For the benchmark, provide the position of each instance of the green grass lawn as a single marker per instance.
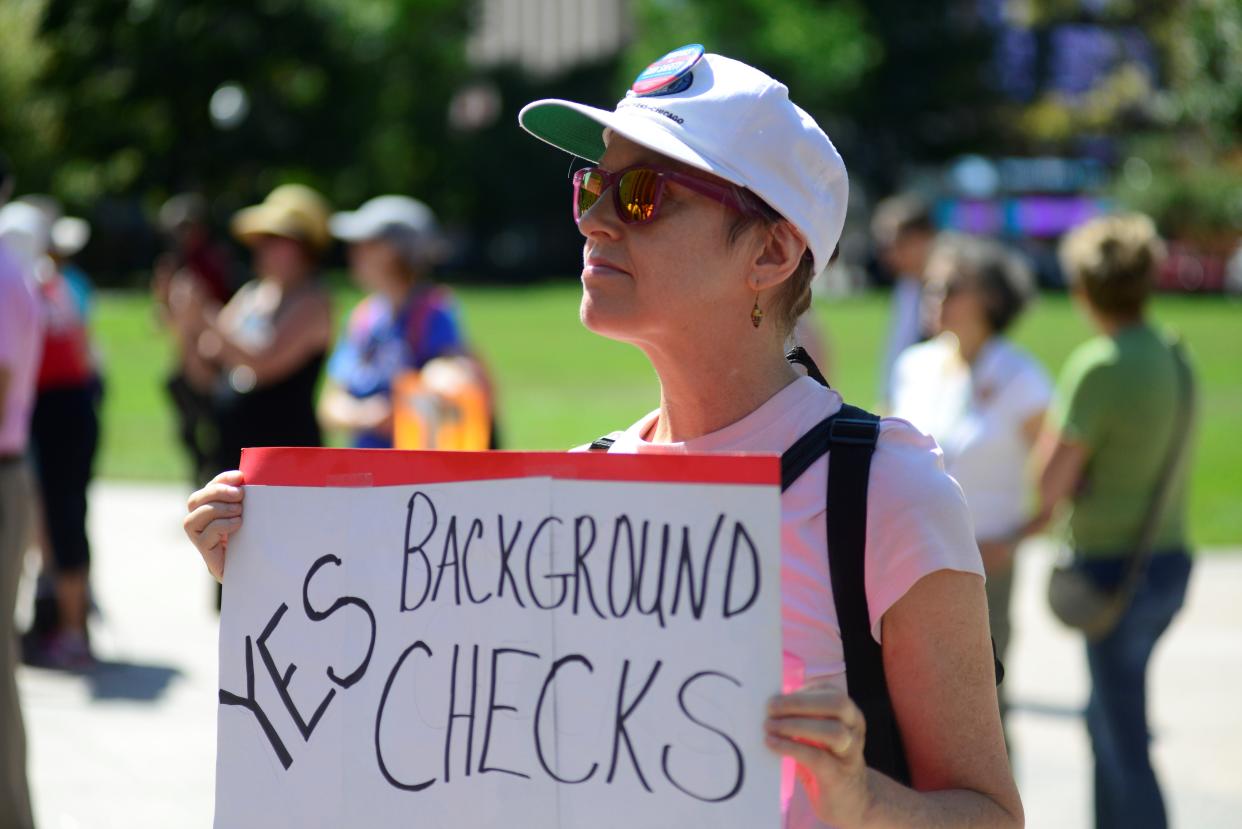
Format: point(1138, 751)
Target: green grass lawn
point(561, 386)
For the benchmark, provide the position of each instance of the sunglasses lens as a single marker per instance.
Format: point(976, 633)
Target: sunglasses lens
point(638, 192)
point(588, 187)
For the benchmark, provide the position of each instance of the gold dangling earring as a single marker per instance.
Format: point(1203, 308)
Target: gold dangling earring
point(756, 313)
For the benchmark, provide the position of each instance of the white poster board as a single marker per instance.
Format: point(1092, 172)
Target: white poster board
point(500, 639)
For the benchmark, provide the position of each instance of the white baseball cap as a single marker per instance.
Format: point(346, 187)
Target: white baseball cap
point(724, 117)
point(406, 223)
point(26, 231)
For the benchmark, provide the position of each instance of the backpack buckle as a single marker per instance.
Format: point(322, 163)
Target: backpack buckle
point(852, 431)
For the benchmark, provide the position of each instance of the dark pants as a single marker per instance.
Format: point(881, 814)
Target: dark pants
point(1126, 792)
point(64, 433)
point(195, 425)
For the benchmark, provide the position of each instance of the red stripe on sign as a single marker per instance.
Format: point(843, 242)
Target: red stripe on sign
point(280, 466)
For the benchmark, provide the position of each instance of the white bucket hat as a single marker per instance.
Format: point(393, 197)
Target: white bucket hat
point(722, 116)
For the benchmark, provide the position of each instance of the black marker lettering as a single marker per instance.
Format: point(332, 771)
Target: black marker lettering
point(468, 716)
point(623, 713)
point(685, 569)
point(657, 602)
point(450, 540)
point(629, 593)
point(506, 550)
point(493, 706)
point(581, 573)
point(318, 616)
point(476, 524)
point(530, 554)
point(740, 535)
point(281, 681)
point(737, 752)
point(251, 704)
point(379, 718)
point(543, 693)
point(412, 548)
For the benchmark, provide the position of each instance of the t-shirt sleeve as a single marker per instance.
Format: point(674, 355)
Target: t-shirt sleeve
point(917, 520)
point(11, 346)
point(18, 333)
point(345, 354)
point(440, 333)
point(905, 371)
point(1083, 402)
point(1031, 392)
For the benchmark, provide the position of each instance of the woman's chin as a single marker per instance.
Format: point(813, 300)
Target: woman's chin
point(606, 318)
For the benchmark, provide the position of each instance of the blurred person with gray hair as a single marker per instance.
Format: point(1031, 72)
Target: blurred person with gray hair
point(405, 321)
point(980, 396)
point(1115, 452)
point(904, 233)
point(21, 343)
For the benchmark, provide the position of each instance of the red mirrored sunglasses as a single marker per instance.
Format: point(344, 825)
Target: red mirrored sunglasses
point(637, 191)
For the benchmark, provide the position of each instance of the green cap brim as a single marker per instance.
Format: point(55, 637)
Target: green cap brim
point(566, 126)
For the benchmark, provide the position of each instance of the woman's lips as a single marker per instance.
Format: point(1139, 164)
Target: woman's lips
point(596, 266)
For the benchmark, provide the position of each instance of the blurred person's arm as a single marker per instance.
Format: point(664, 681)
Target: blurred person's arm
point(1033, 427)
point(997, 553)
point(303, 330)
point(161, 286)
point(1082, 412)
point(938, 660)
point(1059, 464)
point(338, 409)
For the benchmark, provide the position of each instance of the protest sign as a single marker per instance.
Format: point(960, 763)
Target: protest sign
point(440, 639)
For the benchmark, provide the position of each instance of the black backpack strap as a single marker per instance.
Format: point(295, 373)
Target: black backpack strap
point(852, 438)
point(849, 438)
point(601, 444)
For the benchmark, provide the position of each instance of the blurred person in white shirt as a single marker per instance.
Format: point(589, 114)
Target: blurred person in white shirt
point(904, 233)
point(982, 397)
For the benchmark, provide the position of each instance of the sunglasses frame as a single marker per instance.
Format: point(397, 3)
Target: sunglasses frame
point(725, 194)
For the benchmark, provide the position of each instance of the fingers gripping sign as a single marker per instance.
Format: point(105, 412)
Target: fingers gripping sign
point(213, 514)
point(823, 731)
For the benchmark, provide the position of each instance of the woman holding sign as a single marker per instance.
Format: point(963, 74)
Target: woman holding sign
point(713, 202)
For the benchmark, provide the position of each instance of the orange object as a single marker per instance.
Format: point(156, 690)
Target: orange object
point(444, 406)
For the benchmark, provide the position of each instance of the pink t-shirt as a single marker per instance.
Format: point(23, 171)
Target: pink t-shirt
point(21, 344)
point(917, 523)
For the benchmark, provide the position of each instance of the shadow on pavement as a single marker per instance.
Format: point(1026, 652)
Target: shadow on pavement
point(129, 681)
point(1046, 709)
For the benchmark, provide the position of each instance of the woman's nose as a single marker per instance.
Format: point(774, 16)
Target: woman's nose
point(601, 218)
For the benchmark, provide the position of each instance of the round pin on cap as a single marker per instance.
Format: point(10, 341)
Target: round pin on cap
point(661, 76)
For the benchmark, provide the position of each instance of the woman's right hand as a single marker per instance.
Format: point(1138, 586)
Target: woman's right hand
point(215, 513)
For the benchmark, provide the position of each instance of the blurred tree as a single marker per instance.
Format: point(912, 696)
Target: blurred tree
point(29, 122)
point(235, 95)
point(103, 101)
point(1189, 159)
point(1168, 104)
point(892, 82)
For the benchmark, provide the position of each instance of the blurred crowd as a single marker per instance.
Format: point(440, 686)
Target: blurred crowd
point(252, 343)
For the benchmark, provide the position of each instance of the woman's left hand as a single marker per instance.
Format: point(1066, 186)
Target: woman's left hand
point(822, 729)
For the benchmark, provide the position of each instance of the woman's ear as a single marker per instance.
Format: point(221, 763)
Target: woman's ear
point(781, 252)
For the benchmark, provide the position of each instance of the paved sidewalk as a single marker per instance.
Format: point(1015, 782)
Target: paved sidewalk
point(132, 744)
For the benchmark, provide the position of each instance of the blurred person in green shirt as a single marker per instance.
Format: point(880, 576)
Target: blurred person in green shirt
point(1105, 448)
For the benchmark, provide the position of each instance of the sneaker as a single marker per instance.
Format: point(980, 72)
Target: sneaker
point(68, 651)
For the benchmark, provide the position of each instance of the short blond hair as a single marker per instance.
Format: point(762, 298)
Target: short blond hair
point(1113, 260)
